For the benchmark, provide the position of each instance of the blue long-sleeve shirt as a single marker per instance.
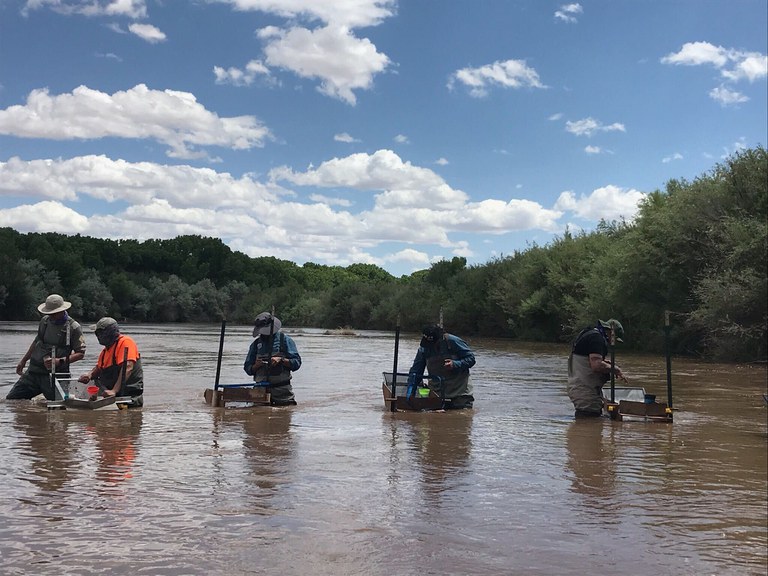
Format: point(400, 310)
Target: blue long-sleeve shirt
point(462, 357)
point(283, 345)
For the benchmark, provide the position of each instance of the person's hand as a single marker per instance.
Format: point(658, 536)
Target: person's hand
point(108, 393)
point(275, 361)
point(84, 378)
point(448, 363)
point(20, 367)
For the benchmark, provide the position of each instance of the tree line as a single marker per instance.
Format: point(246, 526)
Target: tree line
point(697, 249)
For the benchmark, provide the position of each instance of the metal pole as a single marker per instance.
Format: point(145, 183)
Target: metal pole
point(668, 354)
point(218, 361)
point(393, 405)
point(612, 345)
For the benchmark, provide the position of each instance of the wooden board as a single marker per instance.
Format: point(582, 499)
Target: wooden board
point(259, 395)
point(647, 411)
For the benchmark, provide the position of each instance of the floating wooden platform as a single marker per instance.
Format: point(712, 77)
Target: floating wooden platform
point(255, 395)
point(417, 403)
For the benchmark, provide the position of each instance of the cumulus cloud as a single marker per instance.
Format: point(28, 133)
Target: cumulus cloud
point(168, 116)
point(608, 202)
point(341, 62)
point(150, 200)
point(734, 66)
point(506, 74)
point(568, 12)
point(590, 126)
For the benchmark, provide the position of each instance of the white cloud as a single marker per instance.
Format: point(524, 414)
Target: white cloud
point(321, 199)
point(342, 62)
point(507, 74)
point(593, 149)
point(159, 201)
point(136, 183)
point(726, 96)
point(344, 137)
point(171, 117)
point(556, 116)
point(697, 53)
point(350, 13)
point(147, 32)
point(126, 8)
point(567, 12)
point(589, 126)
point(734, 66)
point(238, 77)
point(402, 139)
point(48, 216)
point(442, 162)
point(409, 256)
point(675, 156)
point(609, 202)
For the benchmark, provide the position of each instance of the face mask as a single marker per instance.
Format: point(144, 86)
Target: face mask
point(62, 320)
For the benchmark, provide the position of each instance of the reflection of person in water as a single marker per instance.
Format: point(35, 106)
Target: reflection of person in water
point(591, 460)
point(444, 442)
point(117, 442)
point(51, 454)
point(268, 444)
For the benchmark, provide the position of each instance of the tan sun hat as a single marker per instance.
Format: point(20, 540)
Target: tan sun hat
point(54, 303)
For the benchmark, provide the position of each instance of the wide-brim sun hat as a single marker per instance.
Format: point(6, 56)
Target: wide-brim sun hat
point(53, 304)
point(266, 324)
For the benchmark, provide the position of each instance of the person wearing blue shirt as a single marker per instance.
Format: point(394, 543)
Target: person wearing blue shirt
point(274, 364)
point(448, 357)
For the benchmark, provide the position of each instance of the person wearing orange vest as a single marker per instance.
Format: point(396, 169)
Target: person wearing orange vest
point(115, 373)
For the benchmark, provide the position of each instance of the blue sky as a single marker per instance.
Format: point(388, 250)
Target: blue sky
point(389, 132)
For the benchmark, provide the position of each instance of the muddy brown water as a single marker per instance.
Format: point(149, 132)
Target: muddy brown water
point(339, 486)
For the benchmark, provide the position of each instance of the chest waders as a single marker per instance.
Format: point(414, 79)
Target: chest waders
point(134, 385)
point(454, 382)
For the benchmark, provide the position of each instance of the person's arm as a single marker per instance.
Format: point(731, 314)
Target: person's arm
point(250, 359)
point(88, 376)
point(24, 359)
point(465, 358)
point(128, 368)
point(292, 359)
point(417, 368)
point(598, 364)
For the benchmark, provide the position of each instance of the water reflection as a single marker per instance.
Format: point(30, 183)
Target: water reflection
point(116, 436)
point(44, 438)
point(591, 460)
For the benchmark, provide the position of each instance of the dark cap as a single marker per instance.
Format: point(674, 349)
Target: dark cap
point(614, 325)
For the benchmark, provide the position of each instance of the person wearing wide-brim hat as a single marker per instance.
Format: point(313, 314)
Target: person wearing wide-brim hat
point(272, 357)
point(59, 340)
point(588, 369)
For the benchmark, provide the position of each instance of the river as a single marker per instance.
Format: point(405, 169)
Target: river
point(339, 486)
